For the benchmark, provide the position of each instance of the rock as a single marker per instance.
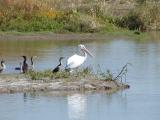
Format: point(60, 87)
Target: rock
point(89, 87)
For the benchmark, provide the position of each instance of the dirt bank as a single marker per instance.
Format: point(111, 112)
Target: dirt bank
point(21, 83)
point(51, 36)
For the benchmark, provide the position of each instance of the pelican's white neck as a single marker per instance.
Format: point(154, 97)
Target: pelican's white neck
point(85, 54)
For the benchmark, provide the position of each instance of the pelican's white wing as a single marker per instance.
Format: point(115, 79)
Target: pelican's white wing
point(74, 61)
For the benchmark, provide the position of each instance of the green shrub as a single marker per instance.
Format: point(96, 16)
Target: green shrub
point(132, 21)
point(140, 1)
point(78, 22)
point(35, 24)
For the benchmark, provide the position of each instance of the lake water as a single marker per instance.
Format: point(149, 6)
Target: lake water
point(140, 102)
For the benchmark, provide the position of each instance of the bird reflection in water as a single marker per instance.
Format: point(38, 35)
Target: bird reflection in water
point(77, 104)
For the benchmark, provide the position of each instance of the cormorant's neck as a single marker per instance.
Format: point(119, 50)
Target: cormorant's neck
point(60, 62)
point(31, 60)
point(24, 62)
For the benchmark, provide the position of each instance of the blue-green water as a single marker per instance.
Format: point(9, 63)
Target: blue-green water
point(140, 102)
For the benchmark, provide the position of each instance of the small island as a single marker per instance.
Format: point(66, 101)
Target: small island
point(81, 80)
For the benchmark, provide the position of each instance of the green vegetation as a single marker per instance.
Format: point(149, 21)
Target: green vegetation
point(132, 21)
point(40, 75)
point(107, 76)
point(79, 16)
point(47, 74)
point(79, 74)
point(110, 76)
point(145, 16)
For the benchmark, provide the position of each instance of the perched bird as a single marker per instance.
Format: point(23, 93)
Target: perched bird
point(32, 63)
point(77, 60)
point(57, 69)
point(24, 65)
point(3, 66)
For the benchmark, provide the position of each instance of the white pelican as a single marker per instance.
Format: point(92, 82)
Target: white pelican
point(3, 66)
point(77, 60)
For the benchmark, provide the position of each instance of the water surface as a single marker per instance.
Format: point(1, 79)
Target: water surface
point(141, 101)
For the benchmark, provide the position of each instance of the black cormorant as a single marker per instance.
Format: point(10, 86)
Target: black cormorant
point(57, 69)
point(3, 66)
point(24, 65)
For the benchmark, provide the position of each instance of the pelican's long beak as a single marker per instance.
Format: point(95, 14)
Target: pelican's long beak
point(87, 51)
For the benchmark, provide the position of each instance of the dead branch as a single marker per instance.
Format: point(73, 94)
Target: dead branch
point(122, 72)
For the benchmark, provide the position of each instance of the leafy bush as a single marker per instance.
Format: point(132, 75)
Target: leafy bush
point(140, 1)
point(79, 22)
point(35, 24)
point(132, 21)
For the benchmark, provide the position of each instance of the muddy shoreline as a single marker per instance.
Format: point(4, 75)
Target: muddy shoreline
point(52, 36)
point(60, 36)
point(20, 83)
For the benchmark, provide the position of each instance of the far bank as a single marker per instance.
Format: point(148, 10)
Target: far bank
point(70, 36)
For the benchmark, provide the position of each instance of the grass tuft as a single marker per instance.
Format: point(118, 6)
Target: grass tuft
point(34, 75)
point(78, 74)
